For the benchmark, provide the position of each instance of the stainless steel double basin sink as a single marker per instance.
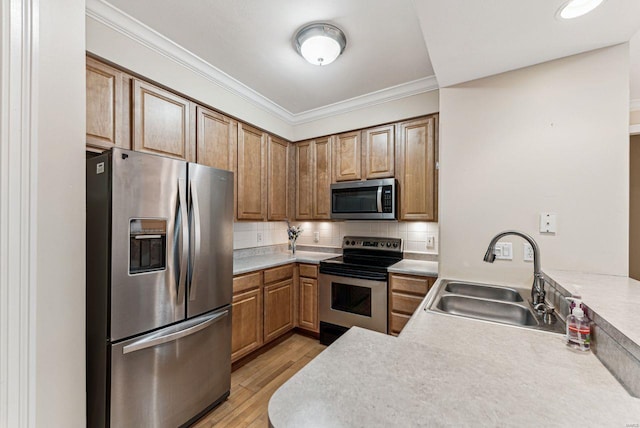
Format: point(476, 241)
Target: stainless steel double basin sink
point(505, 305)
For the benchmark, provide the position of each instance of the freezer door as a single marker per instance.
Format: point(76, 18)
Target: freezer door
point(149, 242)
point(166, 378)
point(211, 225)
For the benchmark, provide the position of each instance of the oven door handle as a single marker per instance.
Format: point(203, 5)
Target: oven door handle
point(369, 276)
point(379, 199)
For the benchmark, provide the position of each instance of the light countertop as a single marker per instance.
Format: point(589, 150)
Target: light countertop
point(265, 261)
point(447, 370)
point(415, 267)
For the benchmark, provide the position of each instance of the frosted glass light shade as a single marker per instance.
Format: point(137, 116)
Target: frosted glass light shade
point(320, 44)
point(576, 8)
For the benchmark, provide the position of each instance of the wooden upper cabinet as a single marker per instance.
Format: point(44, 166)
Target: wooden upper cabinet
point(346, 156)
point(278, 179)
point(378, 152)
point(322, 179)
point(161, 122)
point(107, 106)
point(304, 181)
point(416, 169)
point(216, 139)
point(313, 173)
point(251, 176)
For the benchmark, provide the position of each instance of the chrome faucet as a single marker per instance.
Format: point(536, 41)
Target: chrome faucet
point(537, 290)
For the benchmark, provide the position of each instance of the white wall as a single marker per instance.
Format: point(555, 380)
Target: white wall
point(551, 137)
point(409, 107)
point(60, 210)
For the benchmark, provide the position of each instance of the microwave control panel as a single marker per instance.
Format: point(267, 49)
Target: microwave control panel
point(387, 199)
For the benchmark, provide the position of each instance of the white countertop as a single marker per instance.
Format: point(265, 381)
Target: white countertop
point(415, 267)
point(614, 298)
point(265, 261)
point(447, 370)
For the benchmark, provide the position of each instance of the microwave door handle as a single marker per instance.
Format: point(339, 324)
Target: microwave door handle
point(193, 286)
point(379, 199)
point(150, 342)
point(184, 226)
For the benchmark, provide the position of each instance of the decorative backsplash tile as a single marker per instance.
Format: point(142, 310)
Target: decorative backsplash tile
point(414, 235)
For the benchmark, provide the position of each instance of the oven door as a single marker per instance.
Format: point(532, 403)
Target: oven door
point(348, 302)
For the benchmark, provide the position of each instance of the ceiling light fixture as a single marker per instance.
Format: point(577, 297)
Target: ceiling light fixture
point(576, 8)
point(320, 44)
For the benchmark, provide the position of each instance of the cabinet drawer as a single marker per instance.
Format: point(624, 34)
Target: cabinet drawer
point(411, 284)
point(247, 282)
point(404, 303)
point(309, 271)
point(397, 322)
point(278, 274)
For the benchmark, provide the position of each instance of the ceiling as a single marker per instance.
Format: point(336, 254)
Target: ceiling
point(247, 45)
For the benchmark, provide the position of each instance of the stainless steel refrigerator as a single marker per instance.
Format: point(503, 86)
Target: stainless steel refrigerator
point(159, 285)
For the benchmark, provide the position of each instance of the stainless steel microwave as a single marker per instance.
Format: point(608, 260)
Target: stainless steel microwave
point(365, 200)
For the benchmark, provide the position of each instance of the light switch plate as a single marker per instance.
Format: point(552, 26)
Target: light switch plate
point(503, 251)
point(316, 236)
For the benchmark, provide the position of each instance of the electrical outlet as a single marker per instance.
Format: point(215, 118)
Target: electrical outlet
point(431, 241)
point(316, 236)
point(259, 237)
point(528, 252)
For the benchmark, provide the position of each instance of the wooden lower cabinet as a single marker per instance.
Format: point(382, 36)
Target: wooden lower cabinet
point(278, 309)
point(246, 323)
point(406, 292)
point(308, 295)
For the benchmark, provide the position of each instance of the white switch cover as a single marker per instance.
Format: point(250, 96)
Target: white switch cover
point(548, 223)
point(528, 252)
point(503, 251)
point(316, 236)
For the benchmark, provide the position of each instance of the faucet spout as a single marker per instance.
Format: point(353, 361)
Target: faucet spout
point(537, 289)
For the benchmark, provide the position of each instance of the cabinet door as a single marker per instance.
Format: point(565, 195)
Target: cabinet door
point(322, 179)
point(378, 152)
point(418, 177)
point(246, 323)
point(252, 183)
point(278, 309)
point(277, 179)
point(346, 155)
point(308, 314)
point(304, 180)
point(216, 139)
point(161, 122)
point(107, 109)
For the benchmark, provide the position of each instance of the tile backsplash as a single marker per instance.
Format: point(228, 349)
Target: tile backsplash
point(414, 235)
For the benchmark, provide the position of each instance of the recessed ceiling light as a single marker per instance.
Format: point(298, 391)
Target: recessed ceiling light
point(320, 44)
point(576, 8)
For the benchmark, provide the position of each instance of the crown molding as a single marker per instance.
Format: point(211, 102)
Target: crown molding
point(116, 19)
point(634, 105)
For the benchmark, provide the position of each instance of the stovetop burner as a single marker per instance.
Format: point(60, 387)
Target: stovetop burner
point(364, 254)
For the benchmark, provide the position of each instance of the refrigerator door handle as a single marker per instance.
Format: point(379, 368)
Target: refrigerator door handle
point(196, 257)
point(185, 239)
point(150, 342)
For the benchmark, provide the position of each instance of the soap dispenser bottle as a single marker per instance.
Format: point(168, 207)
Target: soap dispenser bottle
point(578, 327)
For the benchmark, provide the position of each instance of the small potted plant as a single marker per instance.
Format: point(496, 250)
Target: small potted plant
point(293, 232)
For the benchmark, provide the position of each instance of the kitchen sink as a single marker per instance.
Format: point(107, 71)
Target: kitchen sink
point(488, 302)
point(489, 310)
point(484, 291)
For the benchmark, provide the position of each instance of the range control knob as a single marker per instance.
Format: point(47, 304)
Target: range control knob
point(346, 242)
point(353, 242)
point(395, 245)
point(388, 244)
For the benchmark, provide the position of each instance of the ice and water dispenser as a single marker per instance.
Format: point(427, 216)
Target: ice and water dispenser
point(147, 245)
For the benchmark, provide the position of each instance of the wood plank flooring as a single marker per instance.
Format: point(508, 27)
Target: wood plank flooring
point(253, 384)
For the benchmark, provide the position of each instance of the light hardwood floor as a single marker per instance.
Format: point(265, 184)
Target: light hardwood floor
point(253, 384)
